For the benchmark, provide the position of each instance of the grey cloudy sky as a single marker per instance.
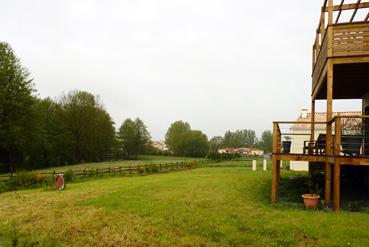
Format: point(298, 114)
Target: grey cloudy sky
point(218, 64)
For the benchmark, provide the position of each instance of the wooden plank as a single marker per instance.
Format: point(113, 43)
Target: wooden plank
point(354, 161)
point(336, 186)
point(300, 157)
point(329, 130)
point(354, 58)
point(340, 11)
point(352, 54)
point(355, 11)
point(348, 6)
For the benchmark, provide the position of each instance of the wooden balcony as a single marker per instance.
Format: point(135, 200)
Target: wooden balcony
point(343, 141)
point(346, 44)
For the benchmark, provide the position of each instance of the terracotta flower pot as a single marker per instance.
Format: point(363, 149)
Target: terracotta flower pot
point(311, 200)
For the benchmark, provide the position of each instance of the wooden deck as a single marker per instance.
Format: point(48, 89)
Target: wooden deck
point(340, 70)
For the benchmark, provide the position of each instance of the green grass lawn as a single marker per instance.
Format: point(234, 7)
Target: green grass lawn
point(214, 206)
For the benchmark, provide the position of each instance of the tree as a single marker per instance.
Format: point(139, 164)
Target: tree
point(266, 141)
point(16, 102)
point(195, 144)
point(183, 141)
point(173, 137)
point(133, 136)
point(83, 116)
point(215, 143)
point(240, 138)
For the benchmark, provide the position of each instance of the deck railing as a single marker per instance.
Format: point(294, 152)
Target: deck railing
point(342, 136)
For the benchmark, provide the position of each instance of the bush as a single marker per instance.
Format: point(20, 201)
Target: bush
point(38, 177)
point(154, 168)
point(192, 163)
point(222, 156)
point(23, 179)
point(140, 169)
point(69, 175)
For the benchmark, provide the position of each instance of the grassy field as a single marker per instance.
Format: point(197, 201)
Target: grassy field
point(143, 159)
point(214, 206)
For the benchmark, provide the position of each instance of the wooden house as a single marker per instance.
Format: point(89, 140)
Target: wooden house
point(340, 70)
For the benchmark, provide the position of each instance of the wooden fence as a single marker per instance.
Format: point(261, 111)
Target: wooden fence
point(140, 169)
point(122, 170)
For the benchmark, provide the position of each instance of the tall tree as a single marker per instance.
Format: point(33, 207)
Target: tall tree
point(16, 101)
point(183, 141)
point(91, 126)
point(174, 135)
point(266, 141)
point(215, 143)
point(195, 144)
point(133, 135)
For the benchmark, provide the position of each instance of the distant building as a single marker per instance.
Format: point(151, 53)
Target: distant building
point(160, 145)
point(242, 151)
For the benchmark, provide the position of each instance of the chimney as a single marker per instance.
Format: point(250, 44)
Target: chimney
point(304, 113)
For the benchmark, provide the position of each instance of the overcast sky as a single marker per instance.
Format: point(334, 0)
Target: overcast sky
point(218, 64)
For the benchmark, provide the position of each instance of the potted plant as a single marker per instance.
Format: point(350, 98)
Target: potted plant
point(312, 200)
point(286, 144)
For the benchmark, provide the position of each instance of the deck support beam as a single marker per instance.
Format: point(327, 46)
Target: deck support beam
point(336, 186)
point(312, 127)
point(328, 166)
point(337, 165)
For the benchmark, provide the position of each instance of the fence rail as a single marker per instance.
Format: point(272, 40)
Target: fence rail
point(122, 170)
point(136, 169)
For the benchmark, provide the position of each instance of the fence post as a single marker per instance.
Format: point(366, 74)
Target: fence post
point(97, 171)
point(254, 165)
point(129, 168)
point(265, 165)
point(281, 164)
point(159, 166)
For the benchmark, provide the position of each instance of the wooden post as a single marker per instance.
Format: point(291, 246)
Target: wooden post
point(264, 165)
point(328, 167)
point(337, 167)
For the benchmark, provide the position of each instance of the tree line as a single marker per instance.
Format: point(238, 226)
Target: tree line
point(242, 138)
point(76, 128)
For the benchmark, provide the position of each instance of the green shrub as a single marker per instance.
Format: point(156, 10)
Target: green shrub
point(222, 156)
point(140, 169)
point(69, 175)
point(154, 168)
point(23, 179)
point(192, 163)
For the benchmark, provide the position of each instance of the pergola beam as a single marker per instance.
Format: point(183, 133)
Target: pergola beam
point(355, 11)
point(339, 13)
point(349, 6)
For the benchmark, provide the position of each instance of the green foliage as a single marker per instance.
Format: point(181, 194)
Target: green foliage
point(173, 137)
point(315, 182)
point(222, 156)
point(183, 141)
point(133, 135)
point(69, 175)
point(16, 112)
point(240, 138)
point(154, 168)
point(266, 141)
point(215, 143)
point(192, 164)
